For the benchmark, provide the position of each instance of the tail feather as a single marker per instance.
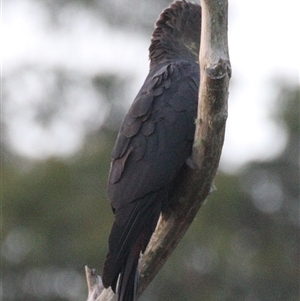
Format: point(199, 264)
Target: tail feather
point(120, 243)
point(129, 276)
point(130, 234)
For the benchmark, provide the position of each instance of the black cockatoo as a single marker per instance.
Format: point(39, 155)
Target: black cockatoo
point(153, 144)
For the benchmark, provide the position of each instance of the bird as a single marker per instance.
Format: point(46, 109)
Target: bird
point(153, 144)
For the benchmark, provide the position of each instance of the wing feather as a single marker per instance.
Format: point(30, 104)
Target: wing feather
point(156, 136)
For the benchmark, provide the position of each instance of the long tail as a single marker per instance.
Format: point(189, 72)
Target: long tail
point(129, 276)
point(130, 234)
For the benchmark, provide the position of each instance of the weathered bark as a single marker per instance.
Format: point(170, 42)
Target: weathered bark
point(96, 288)
point(209, 137)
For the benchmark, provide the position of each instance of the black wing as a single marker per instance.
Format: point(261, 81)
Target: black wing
point(156, 135)
point(153, 144)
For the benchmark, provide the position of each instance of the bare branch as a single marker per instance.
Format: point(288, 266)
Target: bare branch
point(96, 288)
point(209, 138)
point(196, 184)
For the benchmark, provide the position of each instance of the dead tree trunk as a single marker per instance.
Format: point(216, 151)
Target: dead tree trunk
point(209, 137)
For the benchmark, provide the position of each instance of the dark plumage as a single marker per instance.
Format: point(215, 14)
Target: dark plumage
point(153, 144)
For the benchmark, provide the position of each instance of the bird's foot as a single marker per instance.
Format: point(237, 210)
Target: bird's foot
point(190, 163)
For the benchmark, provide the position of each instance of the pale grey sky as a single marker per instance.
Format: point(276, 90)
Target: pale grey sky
point(264, 45)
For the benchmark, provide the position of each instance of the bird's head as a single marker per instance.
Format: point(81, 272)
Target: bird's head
point(177, 33)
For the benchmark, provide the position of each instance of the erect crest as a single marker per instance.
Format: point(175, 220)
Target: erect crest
point(177, 33)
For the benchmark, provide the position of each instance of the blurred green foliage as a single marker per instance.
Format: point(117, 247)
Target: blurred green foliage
point(243, 245)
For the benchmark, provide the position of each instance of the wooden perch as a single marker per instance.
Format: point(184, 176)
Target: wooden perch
point(209, 137)
point(96, 288)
